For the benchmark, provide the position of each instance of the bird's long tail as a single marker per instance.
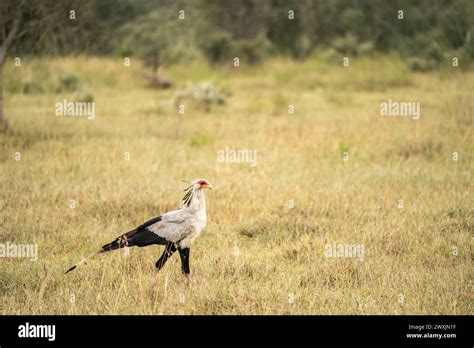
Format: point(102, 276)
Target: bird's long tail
point(83, 260)
point(125, 240)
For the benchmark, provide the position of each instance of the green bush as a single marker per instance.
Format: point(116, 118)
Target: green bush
point(303, 47)
point(365, 48)
point(350, 45)
point(347, 44)
point(203, 95)
point(218, 47)
point(328, 54)
point(67, 82)
point(255, 50)
point(31, 86)
point(421, 64)
point(435, 53)
point(84, 96)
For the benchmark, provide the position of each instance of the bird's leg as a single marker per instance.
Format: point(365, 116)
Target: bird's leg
point(169, 250)
point(184, 254)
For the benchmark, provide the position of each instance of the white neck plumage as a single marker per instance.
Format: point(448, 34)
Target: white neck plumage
point(194, 199)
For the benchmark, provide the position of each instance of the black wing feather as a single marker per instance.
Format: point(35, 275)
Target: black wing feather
point(149, 222)
point(140, 237)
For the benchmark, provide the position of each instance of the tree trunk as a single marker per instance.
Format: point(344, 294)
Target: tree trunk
point(159, 82)
point(3, 54)
point(3, 121)
point(156, 73)
point(2, 60)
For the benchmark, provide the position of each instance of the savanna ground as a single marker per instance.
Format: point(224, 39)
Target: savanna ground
point(257, 255)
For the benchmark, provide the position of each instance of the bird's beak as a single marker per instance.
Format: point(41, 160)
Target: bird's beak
point(210, 187)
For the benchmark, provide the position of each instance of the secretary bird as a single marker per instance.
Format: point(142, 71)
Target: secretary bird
point(176, 229)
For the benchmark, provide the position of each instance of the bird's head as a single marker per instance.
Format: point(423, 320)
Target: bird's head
point(195, 186)
point(201, 183)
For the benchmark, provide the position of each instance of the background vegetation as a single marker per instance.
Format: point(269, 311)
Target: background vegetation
point(258, 255)
point(216, 29)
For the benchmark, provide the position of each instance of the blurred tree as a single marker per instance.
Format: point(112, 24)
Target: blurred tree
point(159, 38)
point(221, 29)
point(10, 30)
point(28, 26)
point(242, 18)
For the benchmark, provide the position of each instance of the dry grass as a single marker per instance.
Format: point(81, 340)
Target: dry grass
point(408, 252)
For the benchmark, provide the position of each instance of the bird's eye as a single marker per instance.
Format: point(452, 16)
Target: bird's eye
point(202, 183)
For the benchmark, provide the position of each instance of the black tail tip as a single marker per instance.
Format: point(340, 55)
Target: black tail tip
point(70, 269)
